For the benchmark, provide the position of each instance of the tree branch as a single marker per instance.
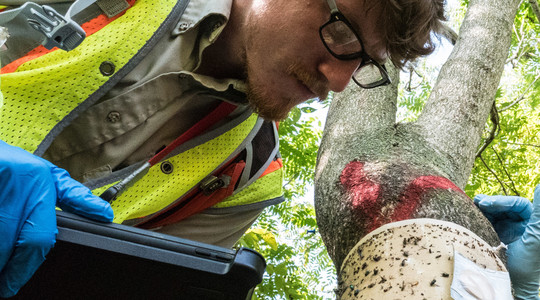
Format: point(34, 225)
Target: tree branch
point(350, 116)
point(412, 69)
point(454, 116)
point(364, 115)
point(496, 177)
point(513, 187)
point(520, 144)
point(522, 97)
point(519, 51)
point(449, 34)
point(494, 130)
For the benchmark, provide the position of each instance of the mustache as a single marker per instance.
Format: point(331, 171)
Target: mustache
point(316, 82)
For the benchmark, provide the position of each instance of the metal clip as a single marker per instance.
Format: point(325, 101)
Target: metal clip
point(58, 30)
point(211, 184)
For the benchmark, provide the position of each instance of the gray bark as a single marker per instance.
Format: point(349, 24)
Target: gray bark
point(361, 133)
point(460, 102)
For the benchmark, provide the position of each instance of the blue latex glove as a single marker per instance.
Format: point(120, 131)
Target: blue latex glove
point(517, 223)
point(30, 188)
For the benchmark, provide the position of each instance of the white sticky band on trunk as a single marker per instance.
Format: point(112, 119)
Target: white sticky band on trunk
point(411, 259)
point(473, 282)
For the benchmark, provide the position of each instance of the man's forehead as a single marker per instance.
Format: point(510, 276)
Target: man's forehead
point(357, 9)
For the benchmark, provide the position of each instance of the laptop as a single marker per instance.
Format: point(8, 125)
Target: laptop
point(92, 260)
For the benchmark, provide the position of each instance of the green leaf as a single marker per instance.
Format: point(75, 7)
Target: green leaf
point(266, 235)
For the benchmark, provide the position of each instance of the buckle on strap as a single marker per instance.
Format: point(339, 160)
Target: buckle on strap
point(59, 31)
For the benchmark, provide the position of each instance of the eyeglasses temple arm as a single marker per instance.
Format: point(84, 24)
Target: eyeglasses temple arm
point(333, 6)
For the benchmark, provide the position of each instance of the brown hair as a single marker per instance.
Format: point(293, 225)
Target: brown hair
point(407, 27)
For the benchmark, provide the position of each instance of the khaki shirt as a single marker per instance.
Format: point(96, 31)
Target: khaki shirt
point(157, 101)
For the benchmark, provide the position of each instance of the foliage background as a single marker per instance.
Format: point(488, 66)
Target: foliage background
point(287, 236)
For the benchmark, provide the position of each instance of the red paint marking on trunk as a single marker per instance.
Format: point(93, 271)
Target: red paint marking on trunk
point(365, 194)
point(363, 191)
point(410, 199)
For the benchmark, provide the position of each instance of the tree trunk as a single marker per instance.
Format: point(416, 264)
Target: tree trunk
point(372, 171)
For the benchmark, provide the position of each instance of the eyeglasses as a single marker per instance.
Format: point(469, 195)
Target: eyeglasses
point(342, 41)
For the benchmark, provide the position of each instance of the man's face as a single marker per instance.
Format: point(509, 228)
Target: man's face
point(286, 62)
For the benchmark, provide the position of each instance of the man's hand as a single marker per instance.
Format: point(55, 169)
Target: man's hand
point(30, 188)
point(517, 223)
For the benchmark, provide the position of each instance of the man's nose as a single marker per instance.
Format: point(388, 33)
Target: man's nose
point(338, 72)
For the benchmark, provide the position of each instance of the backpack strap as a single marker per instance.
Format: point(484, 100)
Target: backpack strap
point(234, 176)
point(217, 115)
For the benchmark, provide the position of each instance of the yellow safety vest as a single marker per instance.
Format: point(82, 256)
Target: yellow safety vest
point(40, 100)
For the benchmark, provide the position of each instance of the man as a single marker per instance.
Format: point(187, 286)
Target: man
point(117, 107)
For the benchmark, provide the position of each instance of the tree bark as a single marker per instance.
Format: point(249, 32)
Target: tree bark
point(372, 171)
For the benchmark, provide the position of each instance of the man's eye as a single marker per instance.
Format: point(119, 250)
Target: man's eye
point(339, 33)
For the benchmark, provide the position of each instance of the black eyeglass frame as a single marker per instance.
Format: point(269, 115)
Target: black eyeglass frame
point(337, 16)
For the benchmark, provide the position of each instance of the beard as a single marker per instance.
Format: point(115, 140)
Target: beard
point(267, 105)
point(273, 107)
